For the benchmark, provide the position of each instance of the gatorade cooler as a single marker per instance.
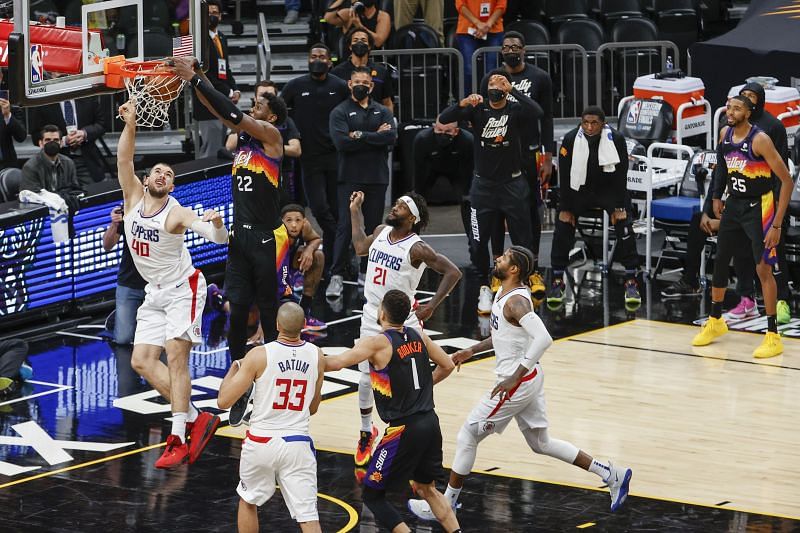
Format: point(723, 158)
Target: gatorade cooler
point(782, 103)
point(677, 91)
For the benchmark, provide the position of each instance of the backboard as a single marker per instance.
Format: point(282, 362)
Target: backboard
point(55, 48)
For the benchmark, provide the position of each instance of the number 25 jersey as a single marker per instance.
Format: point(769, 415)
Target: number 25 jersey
point(255, 184)
point(748, 175)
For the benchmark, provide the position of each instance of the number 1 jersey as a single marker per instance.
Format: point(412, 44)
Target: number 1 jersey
point(389, 267)
point(284, 391)
point(255, 185)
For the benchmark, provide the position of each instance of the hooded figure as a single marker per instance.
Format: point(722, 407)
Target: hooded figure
point(773, 127)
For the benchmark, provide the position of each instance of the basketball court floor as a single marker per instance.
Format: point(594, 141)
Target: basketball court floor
point(711, 434)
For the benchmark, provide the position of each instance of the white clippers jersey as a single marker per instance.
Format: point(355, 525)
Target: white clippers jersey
point(160, 257)
point(389, 267)
point(510, 342)
point(284, 391)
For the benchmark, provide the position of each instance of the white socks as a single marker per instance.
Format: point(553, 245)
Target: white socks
point(366, 422)
point(452, 495)
point(179, 425)
point(193, 413)
point(601, 469)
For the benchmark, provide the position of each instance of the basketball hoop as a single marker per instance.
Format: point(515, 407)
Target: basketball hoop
point(153, 85)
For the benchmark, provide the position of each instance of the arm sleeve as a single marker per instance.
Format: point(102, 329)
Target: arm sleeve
point(540, 339)
point(456, 113)
point(621, 172)
point(210, 232)
point(529, 106)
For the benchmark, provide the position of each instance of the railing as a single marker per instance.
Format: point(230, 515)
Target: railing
point(428, 80)
point(567, 64)
point(264, 55)
point(638, 58)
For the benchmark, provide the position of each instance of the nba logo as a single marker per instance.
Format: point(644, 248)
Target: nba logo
point(633, 112)
point(37, 63)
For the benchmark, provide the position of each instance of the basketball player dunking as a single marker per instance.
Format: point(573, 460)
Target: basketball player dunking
point(258, 240)
point(519, 339)
point(397, 257)
point(171, 315)
point(288, 375)
point(411, 448)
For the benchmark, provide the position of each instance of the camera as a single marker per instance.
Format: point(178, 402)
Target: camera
point(359, 8)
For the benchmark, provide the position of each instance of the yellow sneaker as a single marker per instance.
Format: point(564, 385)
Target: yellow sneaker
point(770, 347)
point(537, 284)
point(495, 285)
point(711, 330)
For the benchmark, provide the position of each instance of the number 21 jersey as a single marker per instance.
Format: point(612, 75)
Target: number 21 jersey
point(255, 184)
point(389, 267)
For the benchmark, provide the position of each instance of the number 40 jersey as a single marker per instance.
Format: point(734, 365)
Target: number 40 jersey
point(389, 267)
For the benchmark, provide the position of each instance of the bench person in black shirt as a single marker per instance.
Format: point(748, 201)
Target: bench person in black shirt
point(257, 234)
point(130, 285)
point(537, 137)
point(363, 132)
point(311, 98)
point(360, 43)
point(499, 188)
point(402, 380)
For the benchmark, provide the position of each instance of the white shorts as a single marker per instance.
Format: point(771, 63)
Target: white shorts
point(370, 328)
point(526, 405)
point(292, 464)
point(172, 312)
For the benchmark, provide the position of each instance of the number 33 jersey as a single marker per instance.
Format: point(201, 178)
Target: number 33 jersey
point(160, 257)
point(389, 267)
point(255, 184)
point(284, 391)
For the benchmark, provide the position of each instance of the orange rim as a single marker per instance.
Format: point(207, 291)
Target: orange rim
point(145, 68)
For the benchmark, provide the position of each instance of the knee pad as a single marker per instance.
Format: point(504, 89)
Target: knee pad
point(466, 449)
point(537, 439)
point(365, 399)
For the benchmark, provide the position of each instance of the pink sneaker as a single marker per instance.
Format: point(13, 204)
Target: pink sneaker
point(746, 309)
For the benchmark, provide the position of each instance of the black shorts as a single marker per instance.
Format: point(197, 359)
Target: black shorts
point(747, 219)
point(411, 449)
point(251, 270)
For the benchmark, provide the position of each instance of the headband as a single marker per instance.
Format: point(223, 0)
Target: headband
point(412, 205)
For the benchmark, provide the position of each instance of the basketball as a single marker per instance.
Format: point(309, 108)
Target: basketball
point(164, 88)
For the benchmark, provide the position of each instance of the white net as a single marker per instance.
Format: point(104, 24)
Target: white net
point(153, 95)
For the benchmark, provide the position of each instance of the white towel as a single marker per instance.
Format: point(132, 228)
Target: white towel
point(607, 156)
point(59, 222)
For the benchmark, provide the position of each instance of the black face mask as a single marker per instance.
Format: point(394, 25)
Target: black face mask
point(52, 148)
point(360, 49)
point(443, 140)
point(512, 60)
point(496, 95)
point(360, 92)
point(213, 21)
point(318, 67)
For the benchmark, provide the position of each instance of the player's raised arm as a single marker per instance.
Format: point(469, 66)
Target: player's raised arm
point(132, 190)
point(222, 106)
point(361, 241)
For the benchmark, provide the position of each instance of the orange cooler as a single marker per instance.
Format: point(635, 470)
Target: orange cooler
point(781, 100)
point(676, 91)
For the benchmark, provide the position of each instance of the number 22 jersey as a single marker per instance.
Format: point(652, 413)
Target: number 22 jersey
point(255, 184)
